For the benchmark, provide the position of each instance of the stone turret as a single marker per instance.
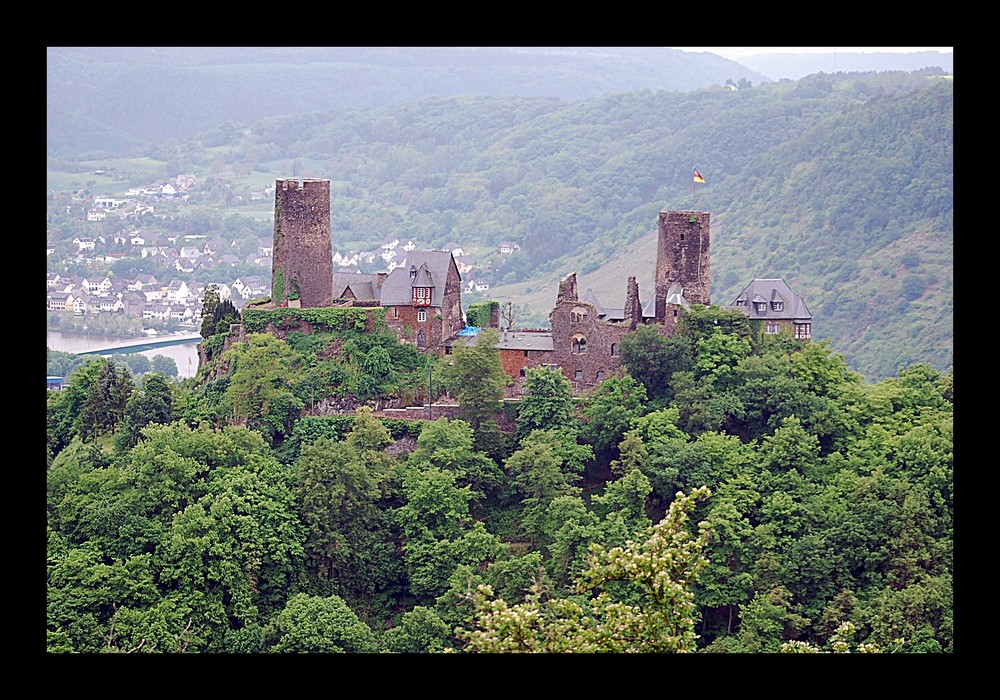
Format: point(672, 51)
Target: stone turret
point(633, 308)
point(567, 288)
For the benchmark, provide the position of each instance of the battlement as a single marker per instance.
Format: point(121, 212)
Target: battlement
point(303, 183)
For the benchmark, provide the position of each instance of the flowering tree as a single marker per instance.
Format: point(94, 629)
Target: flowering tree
point(661, 567)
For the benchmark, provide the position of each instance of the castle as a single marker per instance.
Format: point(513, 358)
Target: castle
point(423, 299)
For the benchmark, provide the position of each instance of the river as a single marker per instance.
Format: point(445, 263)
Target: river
point(185, 355)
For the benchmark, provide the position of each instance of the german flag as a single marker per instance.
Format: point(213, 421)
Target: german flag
point(698, 177)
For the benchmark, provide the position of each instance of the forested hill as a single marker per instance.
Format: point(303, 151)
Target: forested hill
point(840, 185)
point(117, 100)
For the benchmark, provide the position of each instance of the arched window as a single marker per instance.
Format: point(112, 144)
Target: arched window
point(579, 313)
point(422, 340)
point(579, 344)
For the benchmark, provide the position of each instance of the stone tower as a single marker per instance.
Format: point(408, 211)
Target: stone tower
point(302, 262)
point(682, 254)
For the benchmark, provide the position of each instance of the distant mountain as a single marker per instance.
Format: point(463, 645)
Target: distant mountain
point(777, 66)
point(112, 100)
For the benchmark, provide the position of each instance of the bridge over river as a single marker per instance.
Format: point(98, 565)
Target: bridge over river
point(131, 345)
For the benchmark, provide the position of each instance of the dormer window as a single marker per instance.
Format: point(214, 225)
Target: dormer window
point(760, 306)
point(777, 305)
point(422, 296)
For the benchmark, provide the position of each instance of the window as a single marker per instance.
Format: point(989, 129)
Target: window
point(777, 305)
point(682, 236)
point(421, 316)
point(803, 331)
point(579, 374)
point(614, 349)
point(422, 296)
point(447, 350)
point(772, 328)
point(525, 353)
point(422, 340)
point(579, 313)
point(395, 312)
point(600, 375)
point(523, 373)
point(760, 306)
point(579, 345)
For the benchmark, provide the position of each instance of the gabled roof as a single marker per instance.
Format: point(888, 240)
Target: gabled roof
point(363, 287)
point(431, 268)
point(769, 291)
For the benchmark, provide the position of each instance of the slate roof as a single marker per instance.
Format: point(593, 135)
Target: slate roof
point(518, 340)
point(431, 270)
point(771, 290)
point(364, 287)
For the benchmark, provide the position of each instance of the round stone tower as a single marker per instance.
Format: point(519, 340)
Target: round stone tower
point(302, 262)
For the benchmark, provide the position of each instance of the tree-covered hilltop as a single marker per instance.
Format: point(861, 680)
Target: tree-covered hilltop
point(839, 184)
point(728, 491)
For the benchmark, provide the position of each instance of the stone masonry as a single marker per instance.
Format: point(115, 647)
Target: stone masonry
point(682, 257)
point(302, 263)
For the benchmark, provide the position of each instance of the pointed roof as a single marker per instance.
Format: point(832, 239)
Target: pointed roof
point(431, 268)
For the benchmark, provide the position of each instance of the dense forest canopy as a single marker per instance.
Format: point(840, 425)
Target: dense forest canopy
point(727, 492)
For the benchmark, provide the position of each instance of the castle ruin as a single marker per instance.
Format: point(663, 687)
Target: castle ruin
point(302, 264)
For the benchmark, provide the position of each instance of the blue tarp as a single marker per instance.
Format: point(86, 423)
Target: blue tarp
point(469, 330)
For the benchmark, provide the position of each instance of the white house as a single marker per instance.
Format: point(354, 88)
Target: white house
point(83, 244)
point(249, 287)
point(157, 312)
point(178, 291)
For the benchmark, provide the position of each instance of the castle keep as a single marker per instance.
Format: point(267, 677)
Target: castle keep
point(682, 257)
point(302, 266)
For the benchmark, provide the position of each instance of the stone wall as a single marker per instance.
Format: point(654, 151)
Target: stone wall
point(586, 348)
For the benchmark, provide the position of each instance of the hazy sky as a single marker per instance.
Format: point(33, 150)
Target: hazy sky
point(736, 52)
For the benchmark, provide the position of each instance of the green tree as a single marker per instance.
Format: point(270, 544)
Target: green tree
point(340, 495)
point(610, 412)
point(476, 378)
point(260, 392)
point(450, 444)
point(318, 625)
point(547, 402)
point(106, 400)
point(652, 358)
point(662, 566)
point(152, 402)
point(209, 303)
point(421, 631)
